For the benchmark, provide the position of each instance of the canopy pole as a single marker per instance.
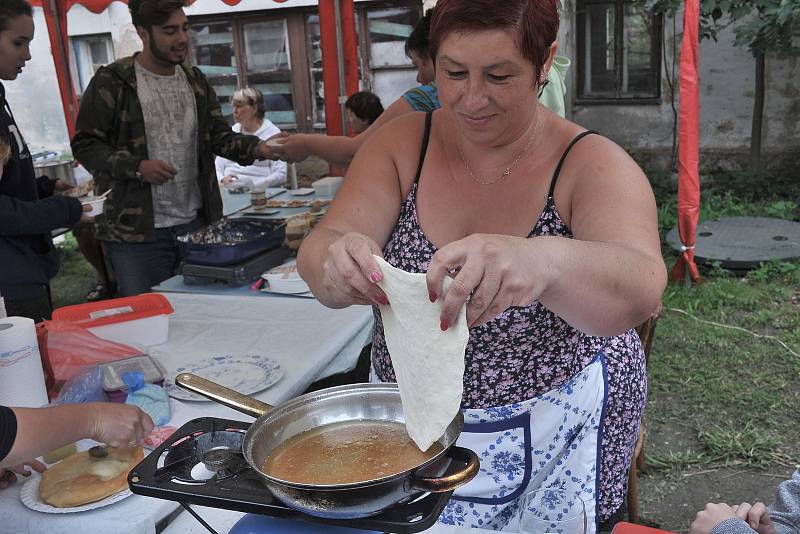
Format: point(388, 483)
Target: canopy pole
point(56, 20)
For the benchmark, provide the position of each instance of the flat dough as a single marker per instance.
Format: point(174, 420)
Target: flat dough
point(80, 479)
point(428, 363)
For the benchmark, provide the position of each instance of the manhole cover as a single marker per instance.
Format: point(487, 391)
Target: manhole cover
point(743, 242)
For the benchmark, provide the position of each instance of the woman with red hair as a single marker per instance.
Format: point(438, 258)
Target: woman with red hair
point(550, 234)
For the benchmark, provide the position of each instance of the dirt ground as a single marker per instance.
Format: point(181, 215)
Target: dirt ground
point(671, 500)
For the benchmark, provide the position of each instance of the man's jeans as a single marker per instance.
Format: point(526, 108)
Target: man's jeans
point(140, 266)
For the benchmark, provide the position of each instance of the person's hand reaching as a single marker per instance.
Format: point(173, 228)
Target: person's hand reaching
point(8, 475)
point(713, 514)
point(84, 217)
point(156, 172)
point(118, 425)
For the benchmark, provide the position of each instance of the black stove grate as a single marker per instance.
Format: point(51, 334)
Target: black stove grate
point(244, 490)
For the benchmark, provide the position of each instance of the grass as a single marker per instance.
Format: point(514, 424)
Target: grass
point(75, 277)
point(735, 392)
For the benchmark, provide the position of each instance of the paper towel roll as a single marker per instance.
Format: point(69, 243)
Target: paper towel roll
point(21, 374)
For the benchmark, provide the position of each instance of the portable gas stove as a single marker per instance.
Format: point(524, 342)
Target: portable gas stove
point(202, 463)
point(235, 275)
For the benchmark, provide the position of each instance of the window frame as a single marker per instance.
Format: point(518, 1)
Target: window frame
point(75, 59)
point(619, 28)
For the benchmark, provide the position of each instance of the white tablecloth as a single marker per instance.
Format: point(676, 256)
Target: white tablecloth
point(304, 336)
point(132, 515)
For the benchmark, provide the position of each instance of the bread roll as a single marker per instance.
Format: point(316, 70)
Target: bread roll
point(81, 479)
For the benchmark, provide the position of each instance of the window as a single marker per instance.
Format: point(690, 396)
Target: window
point(89, 53)
point(212, 45)
point(278, 51)
point(619, 51)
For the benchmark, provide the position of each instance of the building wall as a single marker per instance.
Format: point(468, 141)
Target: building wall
point(727, 87)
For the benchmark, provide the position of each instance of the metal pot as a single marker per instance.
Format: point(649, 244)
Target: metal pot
point(355, 402)
point(58, 169)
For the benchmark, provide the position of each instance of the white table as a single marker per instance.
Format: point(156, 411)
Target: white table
point(132, 515)
point(309, 340)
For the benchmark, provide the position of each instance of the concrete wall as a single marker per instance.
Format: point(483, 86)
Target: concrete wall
point(726, 104)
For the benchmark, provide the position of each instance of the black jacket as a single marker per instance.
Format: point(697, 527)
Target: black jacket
point(28, 213)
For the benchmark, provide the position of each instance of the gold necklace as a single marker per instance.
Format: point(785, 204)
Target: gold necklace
point(510, 167)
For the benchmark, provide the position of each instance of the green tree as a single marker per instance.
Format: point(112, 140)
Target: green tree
point(765, 27)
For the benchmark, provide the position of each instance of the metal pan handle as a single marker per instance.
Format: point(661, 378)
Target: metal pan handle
point(221, 394)
point(450, 482)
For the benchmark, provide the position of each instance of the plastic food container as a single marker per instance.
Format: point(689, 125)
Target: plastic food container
point(139, 320)
point(285, 279)
point(115, 387)
point(97, 204)
point(327, 187)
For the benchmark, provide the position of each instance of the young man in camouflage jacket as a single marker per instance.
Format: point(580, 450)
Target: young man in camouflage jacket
point(148, 129)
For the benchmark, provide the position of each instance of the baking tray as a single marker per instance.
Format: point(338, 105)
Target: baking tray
point(237, 241)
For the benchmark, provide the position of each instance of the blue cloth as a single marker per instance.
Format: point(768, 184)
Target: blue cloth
point(261, 524)
point(423, 98)
point(152, 399)
point(140, 266)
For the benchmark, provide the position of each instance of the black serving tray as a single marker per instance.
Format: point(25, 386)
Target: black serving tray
point(246, 492)
point(265, 235)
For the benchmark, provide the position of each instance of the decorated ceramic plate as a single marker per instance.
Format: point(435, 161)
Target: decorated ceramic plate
point(29, 495)
point(246, 374)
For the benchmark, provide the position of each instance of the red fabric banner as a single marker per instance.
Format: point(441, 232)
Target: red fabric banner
point(688, 147)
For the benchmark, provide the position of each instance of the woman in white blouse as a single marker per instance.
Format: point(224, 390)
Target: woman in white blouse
point(248, 112)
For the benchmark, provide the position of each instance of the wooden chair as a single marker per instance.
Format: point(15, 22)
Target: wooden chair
point(646, 331)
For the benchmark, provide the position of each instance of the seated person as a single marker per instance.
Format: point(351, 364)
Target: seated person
point(362, 110)
point(248, 112)
point(30, 432)
point(782, 516)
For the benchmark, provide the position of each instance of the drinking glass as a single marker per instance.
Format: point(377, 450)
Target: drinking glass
point(552, 511)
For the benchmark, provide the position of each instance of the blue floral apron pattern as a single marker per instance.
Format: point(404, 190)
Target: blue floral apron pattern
point(552, 440)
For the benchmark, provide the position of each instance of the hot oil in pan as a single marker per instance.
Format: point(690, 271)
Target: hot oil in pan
point(348, 452)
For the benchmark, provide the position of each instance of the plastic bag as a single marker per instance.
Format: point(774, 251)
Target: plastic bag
point(85, 386)
point(67, 348)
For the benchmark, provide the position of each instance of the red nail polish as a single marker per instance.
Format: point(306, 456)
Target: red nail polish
point(382, 299)
point(375, 276)
point(432, 296)
point(444, 324)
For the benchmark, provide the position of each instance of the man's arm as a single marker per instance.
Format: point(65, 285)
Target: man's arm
point(95, 125)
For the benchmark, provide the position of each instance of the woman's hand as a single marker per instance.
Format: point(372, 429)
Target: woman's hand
point(86, 218)
point(494, 272)
point(119, 425)
point(8, 475)
point(292, 148)
point(351, 273)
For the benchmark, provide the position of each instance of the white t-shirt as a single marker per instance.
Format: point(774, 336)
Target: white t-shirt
point(264, 173)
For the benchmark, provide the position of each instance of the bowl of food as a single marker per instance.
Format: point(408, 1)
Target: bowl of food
point(96, 203)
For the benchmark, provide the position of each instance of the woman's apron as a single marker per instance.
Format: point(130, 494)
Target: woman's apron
point(552, 440)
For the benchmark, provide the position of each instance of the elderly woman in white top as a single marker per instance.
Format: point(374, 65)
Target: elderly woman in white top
point(248, 112)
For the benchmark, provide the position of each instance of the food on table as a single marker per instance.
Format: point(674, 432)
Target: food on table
point(223, 232)
point(81, 479)
point(297, 203)
point(346, 453)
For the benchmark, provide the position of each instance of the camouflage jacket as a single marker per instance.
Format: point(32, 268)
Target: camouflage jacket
point(110, 142)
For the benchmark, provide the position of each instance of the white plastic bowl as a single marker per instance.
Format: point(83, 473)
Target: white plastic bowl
point(97, 204)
